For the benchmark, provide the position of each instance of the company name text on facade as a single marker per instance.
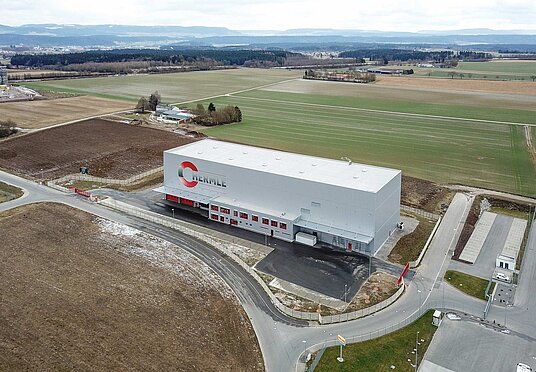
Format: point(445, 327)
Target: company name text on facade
point(198, 177)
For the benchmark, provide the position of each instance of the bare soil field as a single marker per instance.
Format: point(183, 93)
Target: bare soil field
point(423, 194)
point(505, 87)
point(21, 71)
point(84, 293)
point(109, 149)
point(8, 192)
point(44, 113)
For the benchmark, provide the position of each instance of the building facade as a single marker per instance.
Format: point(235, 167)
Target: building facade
point(3, 76)
point(354, 207)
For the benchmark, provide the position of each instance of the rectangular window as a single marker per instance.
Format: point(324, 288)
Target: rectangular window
point(265, 221)
point(214, 207)
point(222, 219)
point(254, 218)
point(225, 210)
point(243, 215)
point(235, 213)
point(214, 216)
point(234, 222)
point(273, 223)
point(283, 225)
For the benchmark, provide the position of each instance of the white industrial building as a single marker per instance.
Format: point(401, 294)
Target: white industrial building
point(288, 196)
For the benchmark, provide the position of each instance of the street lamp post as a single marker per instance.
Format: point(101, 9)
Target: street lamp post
point(416, 351)
point(305, 349)
point(173, 211)
point(345, 286)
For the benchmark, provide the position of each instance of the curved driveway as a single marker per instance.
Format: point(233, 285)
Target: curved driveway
point(283, 340)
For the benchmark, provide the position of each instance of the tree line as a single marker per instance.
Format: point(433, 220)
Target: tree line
point(174, 57)
point(216, 116)
point(390, 54)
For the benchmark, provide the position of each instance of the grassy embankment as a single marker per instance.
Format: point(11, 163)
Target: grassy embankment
point(380, 354)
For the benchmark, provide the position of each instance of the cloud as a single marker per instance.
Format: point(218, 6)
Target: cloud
point(387, 15)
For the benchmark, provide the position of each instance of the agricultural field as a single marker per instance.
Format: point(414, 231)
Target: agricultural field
point(490, 70)
point(446, 150)
point(85, 293)
point(109, 149)
point(175, 87)
point(44, 113)
point(442, 132)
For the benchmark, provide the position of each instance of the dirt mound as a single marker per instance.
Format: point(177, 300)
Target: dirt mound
point(423, 194)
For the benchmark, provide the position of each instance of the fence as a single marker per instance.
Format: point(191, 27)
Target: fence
point(414, 264)
point(84, 177)
point(420, 212)
point(190, 229)
point(444, 306)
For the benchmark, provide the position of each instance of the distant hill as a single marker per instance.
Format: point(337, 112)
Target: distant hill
point(199, 36)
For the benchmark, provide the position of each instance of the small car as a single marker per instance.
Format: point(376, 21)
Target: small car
point(503, 277)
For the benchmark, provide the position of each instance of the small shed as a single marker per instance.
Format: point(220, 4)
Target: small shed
point(436, 318)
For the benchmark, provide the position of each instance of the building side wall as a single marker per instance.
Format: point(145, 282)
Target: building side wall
point(330, 205)
point(387, 211)
point(367, 213)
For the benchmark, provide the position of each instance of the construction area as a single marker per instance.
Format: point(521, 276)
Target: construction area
point(112, 298)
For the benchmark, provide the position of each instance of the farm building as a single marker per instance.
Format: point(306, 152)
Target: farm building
point(292, 197)
point(172, 114)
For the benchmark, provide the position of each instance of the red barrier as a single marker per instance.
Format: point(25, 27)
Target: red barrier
point(404, 272)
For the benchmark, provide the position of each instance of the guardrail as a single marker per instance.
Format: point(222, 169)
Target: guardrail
point(189, 229)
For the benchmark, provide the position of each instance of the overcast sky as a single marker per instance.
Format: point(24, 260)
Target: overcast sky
point(385, 15)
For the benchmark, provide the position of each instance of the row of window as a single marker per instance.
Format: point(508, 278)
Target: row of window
point(245, 216)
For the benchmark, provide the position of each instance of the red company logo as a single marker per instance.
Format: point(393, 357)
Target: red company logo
point(210, 179)
point(193, 168)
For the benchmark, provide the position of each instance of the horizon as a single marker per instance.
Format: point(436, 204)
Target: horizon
point(258, 15)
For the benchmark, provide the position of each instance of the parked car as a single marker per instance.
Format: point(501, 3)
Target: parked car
point(522, 367)
point(503, 277)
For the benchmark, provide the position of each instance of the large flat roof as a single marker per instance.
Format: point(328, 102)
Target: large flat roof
point(334, 172)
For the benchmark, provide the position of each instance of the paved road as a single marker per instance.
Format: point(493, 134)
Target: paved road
point(281, 338)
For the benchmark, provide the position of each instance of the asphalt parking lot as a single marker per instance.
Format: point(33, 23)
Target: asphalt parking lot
point(321, 270)
point(469, 346)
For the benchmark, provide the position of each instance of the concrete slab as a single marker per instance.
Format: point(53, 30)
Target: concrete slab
point(493, 244)
point(308, 294)
point(468, 346)
point(504, 294)
point(478, 237)
point(410, 224)
point(428, 366)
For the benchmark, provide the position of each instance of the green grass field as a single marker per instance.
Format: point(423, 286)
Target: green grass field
point(335, 120)
point(491, 70)
point(468, 284)
point(380, 354)
point(443, 150)
point(177, 87)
